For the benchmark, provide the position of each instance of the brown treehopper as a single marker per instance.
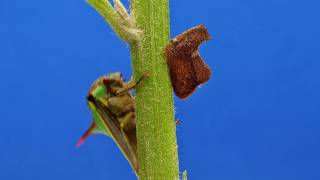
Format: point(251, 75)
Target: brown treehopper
point(187, 69)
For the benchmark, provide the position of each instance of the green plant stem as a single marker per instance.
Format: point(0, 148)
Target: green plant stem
point(147, 31)
point(156, 132)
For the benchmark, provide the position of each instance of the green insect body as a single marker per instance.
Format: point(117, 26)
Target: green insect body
point(113, 109)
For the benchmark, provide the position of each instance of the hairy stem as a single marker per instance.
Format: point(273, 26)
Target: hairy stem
point(156, 133)
point(147, 30)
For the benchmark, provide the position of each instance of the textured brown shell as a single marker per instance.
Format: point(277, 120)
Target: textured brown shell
point(187, 69)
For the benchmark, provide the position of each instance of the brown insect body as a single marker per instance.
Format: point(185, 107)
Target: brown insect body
point(187, 69)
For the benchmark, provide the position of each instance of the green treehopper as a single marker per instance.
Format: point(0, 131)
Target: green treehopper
point(113, 110)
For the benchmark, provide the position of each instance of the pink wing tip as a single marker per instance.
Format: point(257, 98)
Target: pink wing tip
point(80, 142)
point(85, 135)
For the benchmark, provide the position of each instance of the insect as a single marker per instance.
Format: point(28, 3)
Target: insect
point(113, 109)
point(186, 67)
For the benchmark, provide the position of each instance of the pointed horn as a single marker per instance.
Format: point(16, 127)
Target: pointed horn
point(86, 135)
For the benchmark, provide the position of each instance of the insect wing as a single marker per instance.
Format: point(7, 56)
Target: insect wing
point(112, 126)
point(99, 124)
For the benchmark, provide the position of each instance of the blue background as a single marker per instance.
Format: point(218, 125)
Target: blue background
point(257, 117)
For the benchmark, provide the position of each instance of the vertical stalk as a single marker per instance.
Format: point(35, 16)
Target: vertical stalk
point(156, 133)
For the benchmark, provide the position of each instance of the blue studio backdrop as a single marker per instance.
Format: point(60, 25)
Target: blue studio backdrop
point(257, 118)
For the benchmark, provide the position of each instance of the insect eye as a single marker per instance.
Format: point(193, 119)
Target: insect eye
point(107, 81)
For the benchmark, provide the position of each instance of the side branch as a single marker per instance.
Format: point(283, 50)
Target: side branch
point(117, 18)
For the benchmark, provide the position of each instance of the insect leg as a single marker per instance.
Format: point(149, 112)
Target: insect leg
point(131, 84)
